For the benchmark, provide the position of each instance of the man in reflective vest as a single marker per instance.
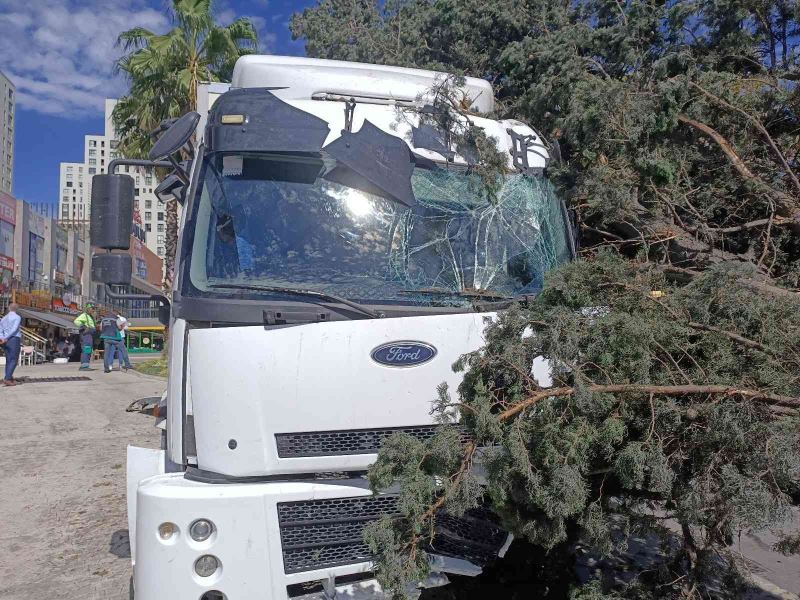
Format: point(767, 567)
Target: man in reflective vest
point(86, 328)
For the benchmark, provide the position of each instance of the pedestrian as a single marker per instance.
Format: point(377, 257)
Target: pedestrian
point(123, 324)
point(11, 340)
point(86, 328)
point(112, 341)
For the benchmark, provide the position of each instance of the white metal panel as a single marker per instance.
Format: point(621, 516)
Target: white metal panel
point(175, 409)
point(249, 383)
point(142, 463)
point(304, 77)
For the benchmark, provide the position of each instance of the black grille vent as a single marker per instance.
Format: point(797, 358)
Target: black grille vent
point(343, 442)
point(317, 534)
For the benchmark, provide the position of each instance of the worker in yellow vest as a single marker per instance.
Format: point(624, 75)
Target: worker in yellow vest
point(86, 328)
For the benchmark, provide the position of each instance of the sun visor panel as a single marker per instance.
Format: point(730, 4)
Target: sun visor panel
point(380, 158)
point(263, 123)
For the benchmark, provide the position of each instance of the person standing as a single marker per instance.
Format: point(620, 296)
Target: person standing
point(86, 328)
point(122, 324)
point(11, 340)
point(112, 341)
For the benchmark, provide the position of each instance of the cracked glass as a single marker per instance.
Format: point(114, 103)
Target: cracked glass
point(276, 221)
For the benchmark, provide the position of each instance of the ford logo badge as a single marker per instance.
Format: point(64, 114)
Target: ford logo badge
point(403, 354)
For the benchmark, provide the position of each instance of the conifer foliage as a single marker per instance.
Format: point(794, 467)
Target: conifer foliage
point(675, 338)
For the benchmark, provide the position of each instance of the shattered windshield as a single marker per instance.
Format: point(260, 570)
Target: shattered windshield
point(269, 220)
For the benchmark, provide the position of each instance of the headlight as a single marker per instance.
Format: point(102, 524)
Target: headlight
point(201, 530)
point(206, 565)
point(166, 530)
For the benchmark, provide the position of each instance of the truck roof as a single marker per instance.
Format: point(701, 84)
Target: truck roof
point(313, 78)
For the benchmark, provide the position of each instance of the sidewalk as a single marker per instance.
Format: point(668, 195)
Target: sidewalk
point(63, 524)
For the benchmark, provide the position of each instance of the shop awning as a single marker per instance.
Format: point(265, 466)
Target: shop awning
point(45, 317)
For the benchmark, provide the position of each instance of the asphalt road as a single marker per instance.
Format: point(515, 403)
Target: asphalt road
point(63, 524)
point(63, 527)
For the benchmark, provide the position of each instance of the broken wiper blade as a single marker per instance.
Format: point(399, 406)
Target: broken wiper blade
point(481, 294)
point(276, 289)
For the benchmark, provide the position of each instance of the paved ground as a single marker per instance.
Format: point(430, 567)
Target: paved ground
point(63, 528)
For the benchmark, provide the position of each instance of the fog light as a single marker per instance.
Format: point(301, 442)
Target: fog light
point(206, 565)
point(166, 530)
point(201, 530)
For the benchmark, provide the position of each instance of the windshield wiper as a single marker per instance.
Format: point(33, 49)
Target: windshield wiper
point(367, 312)
point(480, 294)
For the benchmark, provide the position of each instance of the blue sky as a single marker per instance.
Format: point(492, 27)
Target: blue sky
point(60, 54)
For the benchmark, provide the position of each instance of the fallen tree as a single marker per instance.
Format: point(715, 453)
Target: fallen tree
point(675, 132)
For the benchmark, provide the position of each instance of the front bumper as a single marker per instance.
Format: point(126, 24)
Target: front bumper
point(272, 538)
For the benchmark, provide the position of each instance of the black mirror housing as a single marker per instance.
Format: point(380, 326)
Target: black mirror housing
point(111, 220)
point(175, 137)
point(112, 269)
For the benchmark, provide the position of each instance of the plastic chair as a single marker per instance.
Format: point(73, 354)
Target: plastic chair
point(26, 355)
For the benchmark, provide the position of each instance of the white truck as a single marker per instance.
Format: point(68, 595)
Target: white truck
point(336, 256)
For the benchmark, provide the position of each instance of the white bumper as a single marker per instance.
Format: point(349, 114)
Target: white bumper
point(247, 540)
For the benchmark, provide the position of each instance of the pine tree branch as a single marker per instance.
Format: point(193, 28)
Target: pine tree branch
point(787, 202)
point(761, 129)
point(664, 390)
point(753, 284)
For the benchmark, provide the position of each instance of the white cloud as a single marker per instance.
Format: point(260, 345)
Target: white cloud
point(60, 54)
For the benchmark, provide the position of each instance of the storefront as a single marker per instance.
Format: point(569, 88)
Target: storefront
point(143, 340)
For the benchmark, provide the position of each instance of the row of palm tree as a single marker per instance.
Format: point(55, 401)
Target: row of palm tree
point(163, 71)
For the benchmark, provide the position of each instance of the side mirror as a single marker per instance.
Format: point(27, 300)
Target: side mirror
point(112, 269)
point(111, 219)
point(176, 137)
point(171, 186)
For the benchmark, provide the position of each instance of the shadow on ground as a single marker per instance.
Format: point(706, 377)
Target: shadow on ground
point(120, 545)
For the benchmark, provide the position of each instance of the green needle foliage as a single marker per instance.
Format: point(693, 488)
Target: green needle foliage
point(675, 340)
point(654, 415)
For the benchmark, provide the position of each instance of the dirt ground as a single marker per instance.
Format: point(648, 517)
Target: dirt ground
point(63, 524)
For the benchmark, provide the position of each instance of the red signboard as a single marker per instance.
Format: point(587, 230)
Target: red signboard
point(8, 208)
point(61, 307)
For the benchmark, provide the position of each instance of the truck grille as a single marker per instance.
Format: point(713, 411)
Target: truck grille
point(343, 442)
point(316, 534)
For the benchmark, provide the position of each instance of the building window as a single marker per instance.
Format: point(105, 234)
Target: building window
point(92, 170)
point(148, 204)
point(92, 143)
point(92, 161)
point(160, 216)
point(160, 239)
point(92, 152)
point(65, 198)
point(160, 228)
point(160, 251)
point(148, 216)
point(148, 227)
point(135, 191)
point(65, 211)
point(69, 184)
point(69, 169)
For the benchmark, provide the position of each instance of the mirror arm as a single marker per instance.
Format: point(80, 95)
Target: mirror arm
point(137, 162)
point(115, 296)
point(182, 175)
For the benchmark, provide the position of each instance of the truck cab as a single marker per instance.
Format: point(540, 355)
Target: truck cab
point(337, 254)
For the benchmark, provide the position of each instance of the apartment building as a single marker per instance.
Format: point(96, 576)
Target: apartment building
point(76, 186)
point(7, 105)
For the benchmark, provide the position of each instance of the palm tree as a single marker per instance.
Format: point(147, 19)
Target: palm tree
point(163, 72)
